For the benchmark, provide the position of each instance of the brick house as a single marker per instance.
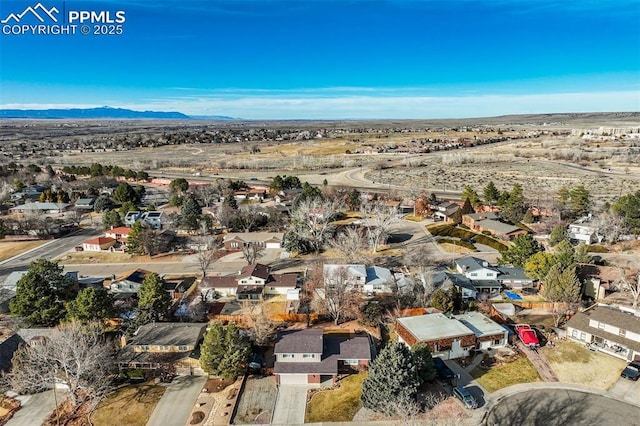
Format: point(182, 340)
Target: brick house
point(252, 283)
point(451, 337)
point(237, 240)
point(311, 357)
point(489, 222)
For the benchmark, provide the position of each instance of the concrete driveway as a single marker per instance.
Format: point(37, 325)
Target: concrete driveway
point(627, 390)
point(36, 408)
point(291, 404)
point(176, 404)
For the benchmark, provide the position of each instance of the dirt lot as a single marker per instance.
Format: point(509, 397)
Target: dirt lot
point(257, 400)
point(84, 257)
point(574, 363)
point(13, 248)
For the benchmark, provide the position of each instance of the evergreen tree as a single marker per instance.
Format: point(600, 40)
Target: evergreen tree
point(124, 192)
point(538, 265)
point(111, 218)
point(562, 285)
point(628, 208)
point(134, 240)
point(491, 193)
point(468, 193)
point(103, 202)
point(393, 378)
point(190, 207)
point(442, 300)
point(41, 293)
point(224, 351)
point(153, 299)
point(91, 304)
point(559, 233)
point(354, 199)
point(424, 362)
point(230, 201)
point(524, 246)
point(179, 186)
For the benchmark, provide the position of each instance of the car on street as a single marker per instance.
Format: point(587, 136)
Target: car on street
point(631, 371)
point(463, 395)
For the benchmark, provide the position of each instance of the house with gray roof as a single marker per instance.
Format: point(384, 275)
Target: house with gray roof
point(490, 222)
point(41, 207)
point(312, 357)
point(609, 329)
point(488, 278)
point(162, 345)
point(252, 283)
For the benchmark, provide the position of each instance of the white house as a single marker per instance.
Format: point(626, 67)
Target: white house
point(613, 330)
point(354, 275)
point(476, 269)
point(584, 230)
point(98, 244)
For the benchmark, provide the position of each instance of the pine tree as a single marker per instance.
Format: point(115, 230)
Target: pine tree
point(519, 253)
point(424, 362)
point(562, 285)
point(393, 378)
point(491, 193)
point(41, 293)
point(224, 351)
point(153, 299)
point(91, 304)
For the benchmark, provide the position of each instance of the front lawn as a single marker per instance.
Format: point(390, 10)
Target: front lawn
point(130, 405)
point(507, 374)
point(337, 405)
point(573, 363)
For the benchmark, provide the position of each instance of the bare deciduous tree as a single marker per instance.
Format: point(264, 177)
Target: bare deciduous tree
point(378, 219)
point(630, 281)
point(250, 215)
point(252, 252)
point(208, 245)
point(75, 355)
point(262, 328)
point(312, 220)
point(610, 225)
point(352, 245)
point(335, 293)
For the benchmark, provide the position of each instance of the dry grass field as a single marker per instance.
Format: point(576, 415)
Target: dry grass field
point(131, 405)
point(9, 249)
point(85, 257)
point(573, 363)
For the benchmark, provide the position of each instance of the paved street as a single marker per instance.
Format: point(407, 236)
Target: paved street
point(35, 408)
point(290, 405)
point(49, 250)
point(176, 404)
point(627, 390)
point(562, 407)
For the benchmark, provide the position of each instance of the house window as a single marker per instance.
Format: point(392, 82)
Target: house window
point(144, 347)
point(182, 348)
point(350, 362)
point(489, 274)
point(496, 341)
point(474, 274)
point(622, 332)
point(285, 356)
point(163, 348)
point(243, 281)
point(583, 336)
point(600, 326)
point(308, 355)
point(234, 245)
point(574, 334)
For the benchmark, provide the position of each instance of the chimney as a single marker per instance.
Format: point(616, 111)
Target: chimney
point(111, 226)
point(485, 263)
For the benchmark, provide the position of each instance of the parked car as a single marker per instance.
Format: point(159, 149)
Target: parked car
point(256, 362)
point(444, 372)
point(78, 248)
point(463, 395)
point(631, 371)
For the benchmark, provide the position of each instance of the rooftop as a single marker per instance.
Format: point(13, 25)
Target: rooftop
point(430, 327)
point(474, 263)
point(255, 270)
point(608, 315)
point(512, 273)
point(169, 334)
point(253, 236)
point(499, 227)
point(352, 270)
point(300, 341)
point(41, 206)
point(482, 216)
point(480, 325)
point(100, 240)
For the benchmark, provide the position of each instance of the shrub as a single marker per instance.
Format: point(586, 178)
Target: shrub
point(596, 248)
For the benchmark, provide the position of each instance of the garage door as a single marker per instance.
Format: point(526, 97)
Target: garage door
point(273, 245)
point(293, 379)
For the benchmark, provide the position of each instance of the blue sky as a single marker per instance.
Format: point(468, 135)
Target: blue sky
point(266, 59)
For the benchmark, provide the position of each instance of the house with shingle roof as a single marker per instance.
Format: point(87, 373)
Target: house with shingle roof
point(251, 283)
point(98, 244)
point(609, 329)
point(312, 357)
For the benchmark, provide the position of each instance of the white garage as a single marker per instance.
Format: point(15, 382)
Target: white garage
point(293, 379)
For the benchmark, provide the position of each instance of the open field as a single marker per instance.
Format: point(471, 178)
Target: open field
point(86, 257)
point(9, 249)
point(573, 363)
point(131, 405)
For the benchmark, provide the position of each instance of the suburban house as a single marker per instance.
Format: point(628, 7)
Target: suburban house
point(164, 346)
point(252, 283)
point(129, 282)
point(608, 329)
point(451, 336)
point(584, 230)
point(489, 222)
point(311, 357)
point(41, 208)
point(442, 279)
point(177, 288)
point(24, 336)
point(444, 210)
point(98, 244)
point(8, 289)
point(85, 203)
point(237, 240)
point(153, 219)
point(598, 281)
point(491, 279)
point(120, 234)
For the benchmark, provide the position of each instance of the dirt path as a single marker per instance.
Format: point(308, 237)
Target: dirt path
point(540, 363)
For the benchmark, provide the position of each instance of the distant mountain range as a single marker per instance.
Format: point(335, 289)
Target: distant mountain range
point(101, 112)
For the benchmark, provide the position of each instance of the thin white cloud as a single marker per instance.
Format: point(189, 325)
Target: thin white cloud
point(373, 107)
